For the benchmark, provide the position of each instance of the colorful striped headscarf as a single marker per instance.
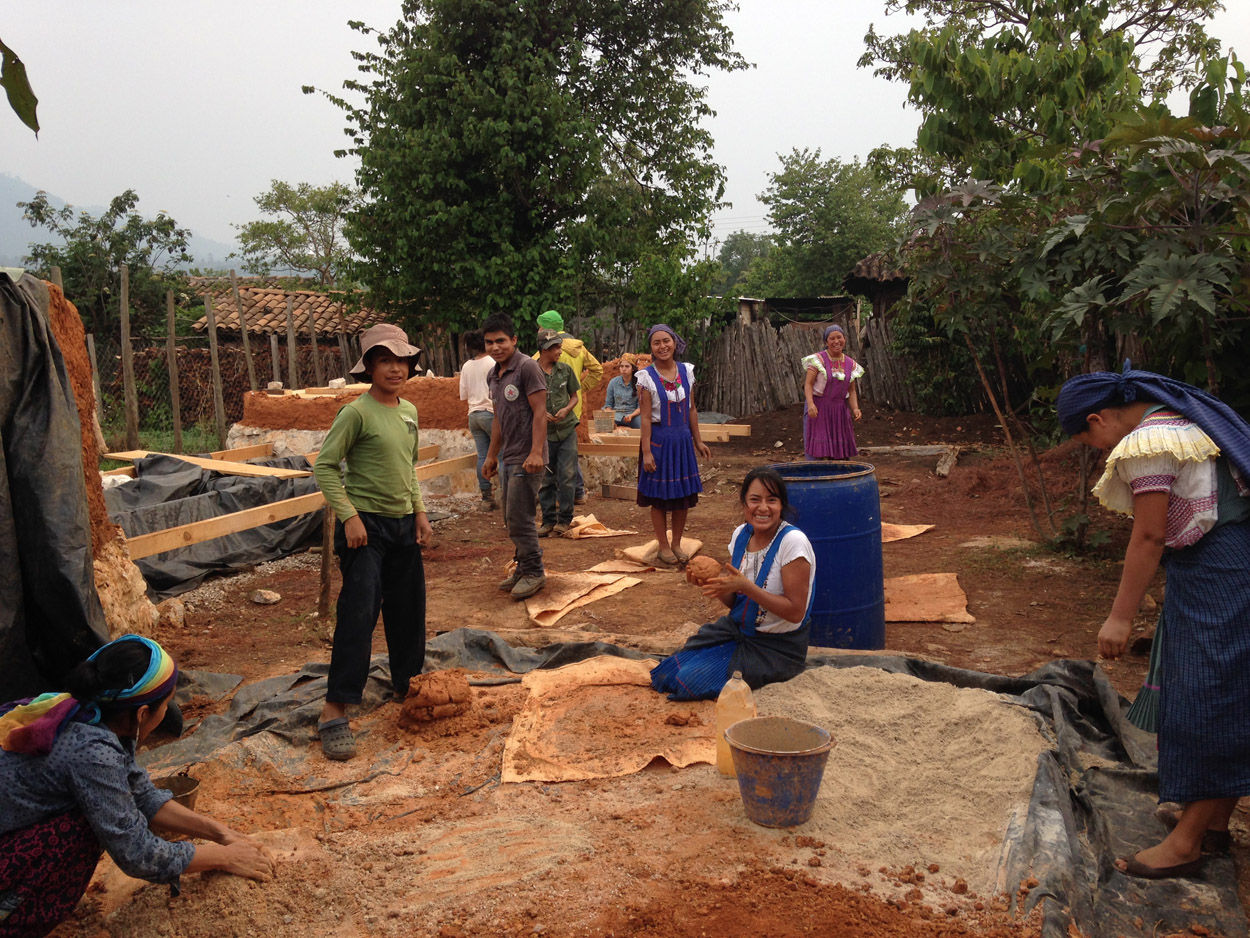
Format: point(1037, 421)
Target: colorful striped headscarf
point(32, 726)
point(677, 340)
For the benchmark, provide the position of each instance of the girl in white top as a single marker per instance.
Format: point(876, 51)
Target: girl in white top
point(768, 588)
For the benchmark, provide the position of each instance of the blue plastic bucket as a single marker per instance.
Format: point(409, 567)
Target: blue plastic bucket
point(839, 509)
point(779, 763)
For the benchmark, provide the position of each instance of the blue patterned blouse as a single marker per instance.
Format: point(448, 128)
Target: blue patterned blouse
point(90, 769)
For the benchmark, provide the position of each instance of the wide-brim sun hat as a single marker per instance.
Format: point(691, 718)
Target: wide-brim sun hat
point(390, 337)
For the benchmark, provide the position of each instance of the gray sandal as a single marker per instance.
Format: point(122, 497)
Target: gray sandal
point(337, 741)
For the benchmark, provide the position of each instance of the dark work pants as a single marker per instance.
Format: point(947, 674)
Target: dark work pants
point(519, 490)
point(387, 576)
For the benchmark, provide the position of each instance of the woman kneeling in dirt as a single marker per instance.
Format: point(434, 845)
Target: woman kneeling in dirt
point(1179, 461)
point(768, 589)
point(70, 788)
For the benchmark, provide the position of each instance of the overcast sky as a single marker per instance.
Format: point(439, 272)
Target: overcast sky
point(197, 105)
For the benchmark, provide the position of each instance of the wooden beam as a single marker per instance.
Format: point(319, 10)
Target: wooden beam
point(240, 453)
point(446, 467)
point(184, 535)
point(123, 471)
point(710, 432)
point(608, 449)
point(423, 453)
point(223, 466)
point(130, 395)
point(171, 355)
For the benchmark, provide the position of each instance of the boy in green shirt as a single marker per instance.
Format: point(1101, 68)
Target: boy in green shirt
point(382, 526)
point(556, 494)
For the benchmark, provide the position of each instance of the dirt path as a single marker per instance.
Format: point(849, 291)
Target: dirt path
point(441, 848)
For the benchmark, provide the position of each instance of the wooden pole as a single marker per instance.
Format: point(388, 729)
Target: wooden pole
point(97, 413)
point(130, 394)
point(243, 332)
point(292, 351)
point(219, 405)
point(56, 278)
point(273, 357)
point(327, 548)
point(312, 336)
point(171, 354)
point(344, 354)
point(95, 377)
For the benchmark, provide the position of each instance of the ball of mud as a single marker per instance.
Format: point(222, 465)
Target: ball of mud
point(700, 569)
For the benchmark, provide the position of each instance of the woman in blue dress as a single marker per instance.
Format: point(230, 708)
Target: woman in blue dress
point(668, 467)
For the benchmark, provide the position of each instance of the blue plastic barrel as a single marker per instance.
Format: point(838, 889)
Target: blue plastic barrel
point(839, 509)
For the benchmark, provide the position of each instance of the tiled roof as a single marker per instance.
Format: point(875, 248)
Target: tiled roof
point(264, 309)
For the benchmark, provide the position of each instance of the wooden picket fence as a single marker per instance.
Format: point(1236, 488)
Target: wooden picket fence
point(753, 368)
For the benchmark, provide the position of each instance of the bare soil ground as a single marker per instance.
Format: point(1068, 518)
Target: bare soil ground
point(443, 849)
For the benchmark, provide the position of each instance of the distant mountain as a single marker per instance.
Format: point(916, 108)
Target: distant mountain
point(16, 234)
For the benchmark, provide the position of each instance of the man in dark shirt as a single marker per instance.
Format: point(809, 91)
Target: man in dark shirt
point(518, 449)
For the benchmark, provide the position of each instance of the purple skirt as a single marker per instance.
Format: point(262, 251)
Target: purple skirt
point(831, 433)
point(44, 871)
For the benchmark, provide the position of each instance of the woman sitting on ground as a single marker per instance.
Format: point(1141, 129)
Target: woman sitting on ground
point(70, 788)
point(768, 589)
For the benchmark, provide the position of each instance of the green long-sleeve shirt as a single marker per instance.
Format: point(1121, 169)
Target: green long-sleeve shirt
point(379, 444)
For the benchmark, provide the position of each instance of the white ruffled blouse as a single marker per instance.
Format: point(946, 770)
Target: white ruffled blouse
point(816, 361)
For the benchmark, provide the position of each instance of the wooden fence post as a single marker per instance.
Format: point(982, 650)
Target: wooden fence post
point(95, 377)
point(55, 275)
point(219, 406)
point(327, 548)
point(312, 335)
point(273, 357)
point(129, 392)
point(344, 355)
point(243, 332)
point(171, 353)
point(292, 351)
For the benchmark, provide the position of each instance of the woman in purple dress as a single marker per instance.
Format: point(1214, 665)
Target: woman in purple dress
point(830, 387)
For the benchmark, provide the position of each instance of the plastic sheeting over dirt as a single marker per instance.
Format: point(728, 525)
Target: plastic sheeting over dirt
point(50, 614)
point(167, 492)
point(1092, 796)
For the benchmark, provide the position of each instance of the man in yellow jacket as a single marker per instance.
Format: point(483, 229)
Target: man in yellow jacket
point(573, 352)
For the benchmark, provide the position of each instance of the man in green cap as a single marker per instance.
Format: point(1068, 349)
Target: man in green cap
point(586, 367)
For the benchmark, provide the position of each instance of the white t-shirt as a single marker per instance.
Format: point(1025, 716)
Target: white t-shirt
point(794, 546)
point(644, 381)
point(473, 383)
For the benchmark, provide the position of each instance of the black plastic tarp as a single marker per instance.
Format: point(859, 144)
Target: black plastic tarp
point(50, 614)
point(167, 492)
point(1093, 795)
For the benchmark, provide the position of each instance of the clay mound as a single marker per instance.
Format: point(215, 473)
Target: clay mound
point(435, 696)
point(700, 569)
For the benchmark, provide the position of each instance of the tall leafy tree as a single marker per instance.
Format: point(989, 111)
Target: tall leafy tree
point(90, 251)
point(487, 127)
point(302, 230)
point(739, 251)
point(827, 215)
point(1002, 85)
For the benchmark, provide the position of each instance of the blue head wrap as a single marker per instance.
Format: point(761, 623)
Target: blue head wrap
point(661, 327)
point(1088, 394)
point(833, 328)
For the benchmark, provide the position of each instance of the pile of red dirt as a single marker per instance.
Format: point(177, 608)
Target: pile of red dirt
point(437, 401)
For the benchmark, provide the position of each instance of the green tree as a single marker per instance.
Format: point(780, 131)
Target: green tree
point(827, 216)
point(739, 251)
point(488, 126)
point(1003, 85)
point(304, 232)
point(91, 250)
